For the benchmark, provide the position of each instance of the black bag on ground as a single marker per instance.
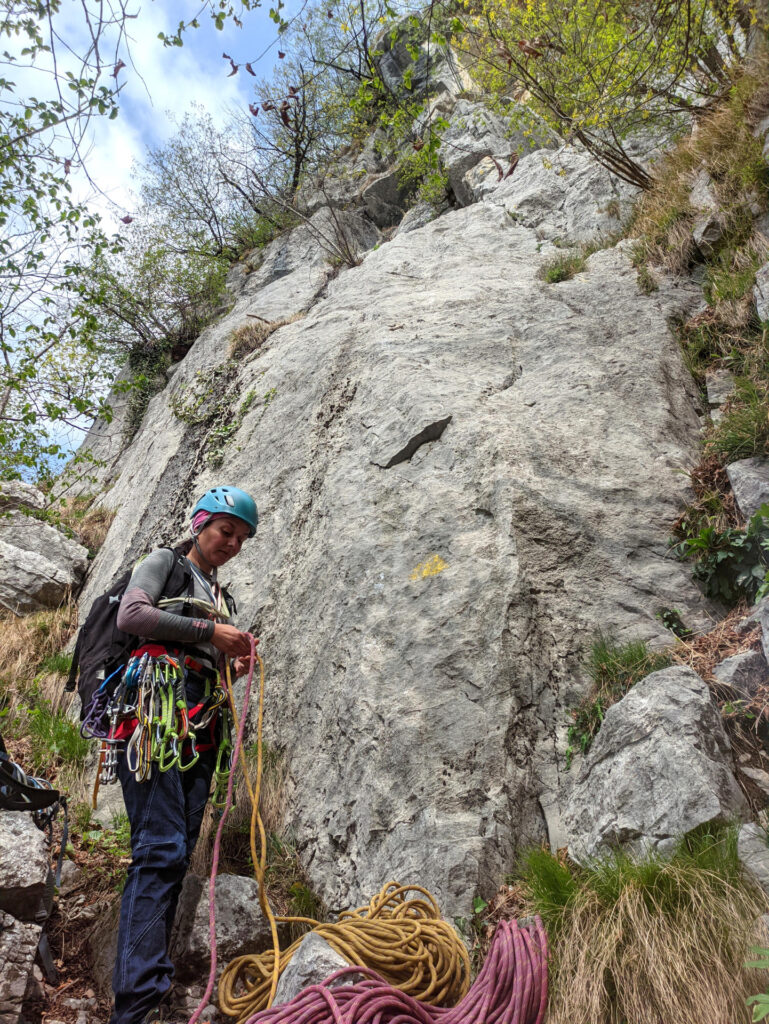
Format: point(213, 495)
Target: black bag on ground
point(101, 648)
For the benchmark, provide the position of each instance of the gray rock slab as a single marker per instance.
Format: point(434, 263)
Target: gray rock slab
point(15, 494)
point(24, 865)
point(240, 925)
point(761, 293)
point(562, 194)
point(18, 945)
point(659, 767)
point(476, 133)
point(757, 775)
point(39, 564)
point(753, 851)
point(384, 197)
point(424, 624)
point(102, 947)
point(708, 228)
point(719, 385)
point(750, 482)
point(745, 673)
point(421, 213)
point(313, 962)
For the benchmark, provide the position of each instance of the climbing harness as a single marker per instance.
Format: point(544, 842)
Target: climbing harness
point(404, 939)
point(511, 988)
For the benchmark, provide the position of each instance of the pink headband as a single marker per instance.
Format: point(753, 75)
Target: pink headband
point(203, 518)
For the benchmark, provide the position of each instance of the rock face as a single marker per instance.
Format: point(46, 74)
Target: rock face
point(743, 673)
point(240, 926)
point(39, 564)
point(312, 963)
point(24, 866)
point(761, 291)
point(659, 767)
point(18, 945)
point(753, 851)
point(750, 482)
point(461, 473)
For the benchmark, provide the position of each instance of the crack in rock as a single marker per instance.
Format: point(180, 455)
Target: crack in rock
point(432, 432)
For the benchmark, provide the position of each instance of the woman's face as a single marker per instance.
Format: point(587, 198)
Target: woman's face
point(222, 539)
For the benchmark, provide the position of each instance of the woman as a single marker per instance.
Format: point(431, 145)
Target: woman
point(166, 807)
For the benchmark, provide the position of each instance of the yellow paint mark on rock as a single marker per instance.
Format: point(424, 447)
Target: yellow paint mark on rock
point(431, 567)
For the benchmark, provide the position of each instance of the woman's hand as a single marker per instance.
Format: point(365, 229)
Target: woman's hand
point(241, 665)
point(231, 641)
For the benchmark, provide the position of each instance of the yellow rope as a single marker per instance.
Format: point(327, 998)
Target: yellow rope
point(259, 860)
point(402, 939)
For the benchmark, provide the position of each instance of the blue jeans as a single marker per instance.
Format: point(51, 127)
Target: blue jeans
point(165, 814)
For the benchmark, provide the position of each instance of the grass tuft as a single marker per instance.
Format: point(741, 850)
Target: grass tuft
point(613, 668)
point(562, 267)
point(649, 940)
point(744, 429)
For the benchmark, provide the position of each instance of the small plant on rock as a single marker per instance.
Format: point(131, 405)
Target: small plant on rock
point(613, 667)
point(731, 563)
point(562, 268)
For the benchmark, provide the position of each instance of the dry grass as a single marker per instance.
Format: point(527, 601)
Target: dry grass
point(651, 941)
point(724, 145)
point(30, 653)
point(704, 651)
point(714, 503)
point(252, 335)
point(88, 522)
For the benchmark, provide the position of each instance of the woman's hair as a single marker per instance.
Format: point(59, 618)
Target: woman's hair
point(185, 546)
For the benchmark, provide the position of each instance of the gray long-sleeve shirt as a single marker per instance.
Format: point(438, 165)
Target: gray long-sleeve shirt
point(138, 613)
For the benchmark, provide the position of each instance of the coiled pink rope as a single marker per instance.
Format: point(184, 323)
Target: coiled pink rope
point(510, 989)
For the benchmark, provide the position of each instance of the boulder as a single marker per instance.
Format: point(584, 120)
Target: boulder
point(24, 866)
point(102, 947)
point(659, 767)
point(15, 494)
point(753, 851)
point(421, 213)
point(743, 673)
point(240, 925)
point(561, 194)
point(719, 385)
point(384, 198)
point(18, 945)
point(476, 134)
point(39, 564)
point(761, 293)
point(312, 963)
point(750, 482)
point(708, 228)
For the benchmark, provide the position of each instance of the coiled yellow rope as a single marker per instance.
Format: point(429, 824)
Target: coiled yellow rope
point(402, 939)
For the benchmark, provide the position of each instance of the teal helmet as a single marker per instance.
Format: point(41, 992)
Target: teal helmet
point(233, 502)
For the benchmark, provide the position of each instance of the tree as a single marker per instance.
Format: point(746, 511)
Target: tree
point(604, 73)
point(53, 368)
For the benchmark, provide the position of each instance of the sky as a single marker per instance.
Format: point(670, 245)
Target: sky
point(161, 83)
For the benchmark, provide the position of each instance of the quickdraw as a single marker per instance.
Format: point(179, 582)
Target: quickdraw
point(143, 707)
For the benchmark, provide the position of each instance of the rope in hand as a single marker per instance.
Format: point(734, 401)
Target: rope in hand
point(259, 861)
point(511, 988)
point(404, 940)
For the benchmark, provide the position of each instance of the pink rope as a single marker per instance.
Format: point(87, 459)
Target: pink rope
point(511, 988)
point(218, 842)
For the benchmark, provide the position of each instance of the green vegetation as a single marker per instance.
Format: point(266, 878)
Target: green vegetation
point(562, 267)
point(732, 564)
point(53, 739)
point(613, 668)
point(744, 429)
point(649, 939)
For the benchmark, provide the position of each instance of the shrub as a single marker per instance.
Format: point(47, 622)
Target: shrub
point(613, 668)
point(649, 940)
point(731, 563)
